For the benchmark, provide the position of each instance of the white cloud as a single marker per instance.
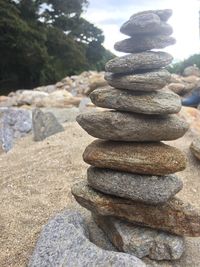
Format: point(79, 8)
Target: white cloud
point(109, 15)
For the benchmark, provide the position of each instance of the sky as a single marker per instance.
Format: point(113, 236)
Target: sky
point(109, 15)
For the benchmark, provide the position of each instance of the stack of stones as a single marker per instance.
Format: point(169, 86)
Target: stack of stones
point(131, 185)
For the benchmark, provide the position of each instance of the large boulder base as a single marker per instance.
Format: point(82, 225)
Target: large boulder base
point(148, 81)
point(159, 102)
point(143, 188)
point(141, 241)
point(143, 158)
point(64, 241)
point(122, 126)
point(148, 60)
point(175, 216)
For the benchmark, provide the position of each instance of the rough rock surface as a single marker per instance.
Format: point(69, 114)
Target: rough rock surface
point(14, 124)
point(146, 23)
point(148, 60)
point(64, 242)
point(142, 188)
point(141, 43)
point(175, 216)
point(158, 102)
point(144, 158)
point(44, 125)
point(195, 148)
point(148, 81)
point(123, 126)
point(141, 241)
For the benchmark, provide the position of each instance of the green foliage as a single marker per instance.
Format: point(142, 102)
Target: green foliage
point(41, 41)
point(179, 67)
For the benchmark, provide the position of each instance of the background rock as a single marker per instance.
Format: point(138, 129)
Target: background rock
point(191, 70)
point(44, 125)
point(14, 124)
point(195, 148)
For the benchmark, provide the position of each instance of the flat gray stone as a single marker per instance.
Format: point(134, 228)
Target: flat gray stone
point(139, 61)
point(123, 126)
point(148, 81)
point(195, 148)
point(146, 23)
point(44, 125)
point(142, 188)
point(143, 43)
point(64, 243)
point(157, 102)
point(141, 241)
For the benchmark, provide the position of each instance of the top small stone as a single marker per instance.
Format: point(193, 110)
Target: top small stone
point(148, 22)
point(164, 14)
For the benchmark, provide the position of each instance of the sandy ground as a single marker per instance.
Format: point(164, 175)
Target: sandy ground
point(35, 184)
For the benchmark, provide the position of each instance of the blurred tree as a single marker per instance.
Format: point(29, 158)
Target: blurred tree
point(41, 41)
point(23, 51)
point(179, 67)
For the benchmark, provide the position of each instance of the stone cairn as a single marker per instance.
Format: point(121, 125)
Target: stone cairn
point(131, 185)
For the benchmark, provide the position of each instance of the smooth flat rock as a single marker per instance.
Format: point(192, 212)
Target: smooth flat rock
point(141, 43)
point(148, 60)
point(148, 81)
point(195, 148)
point(64, 242)
point(146, 23)
point(44, 125)
point(124, 126)
point(141, 241)
point(141, 188)
point(175, 216)
point(158, 102)
point(151, 158)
